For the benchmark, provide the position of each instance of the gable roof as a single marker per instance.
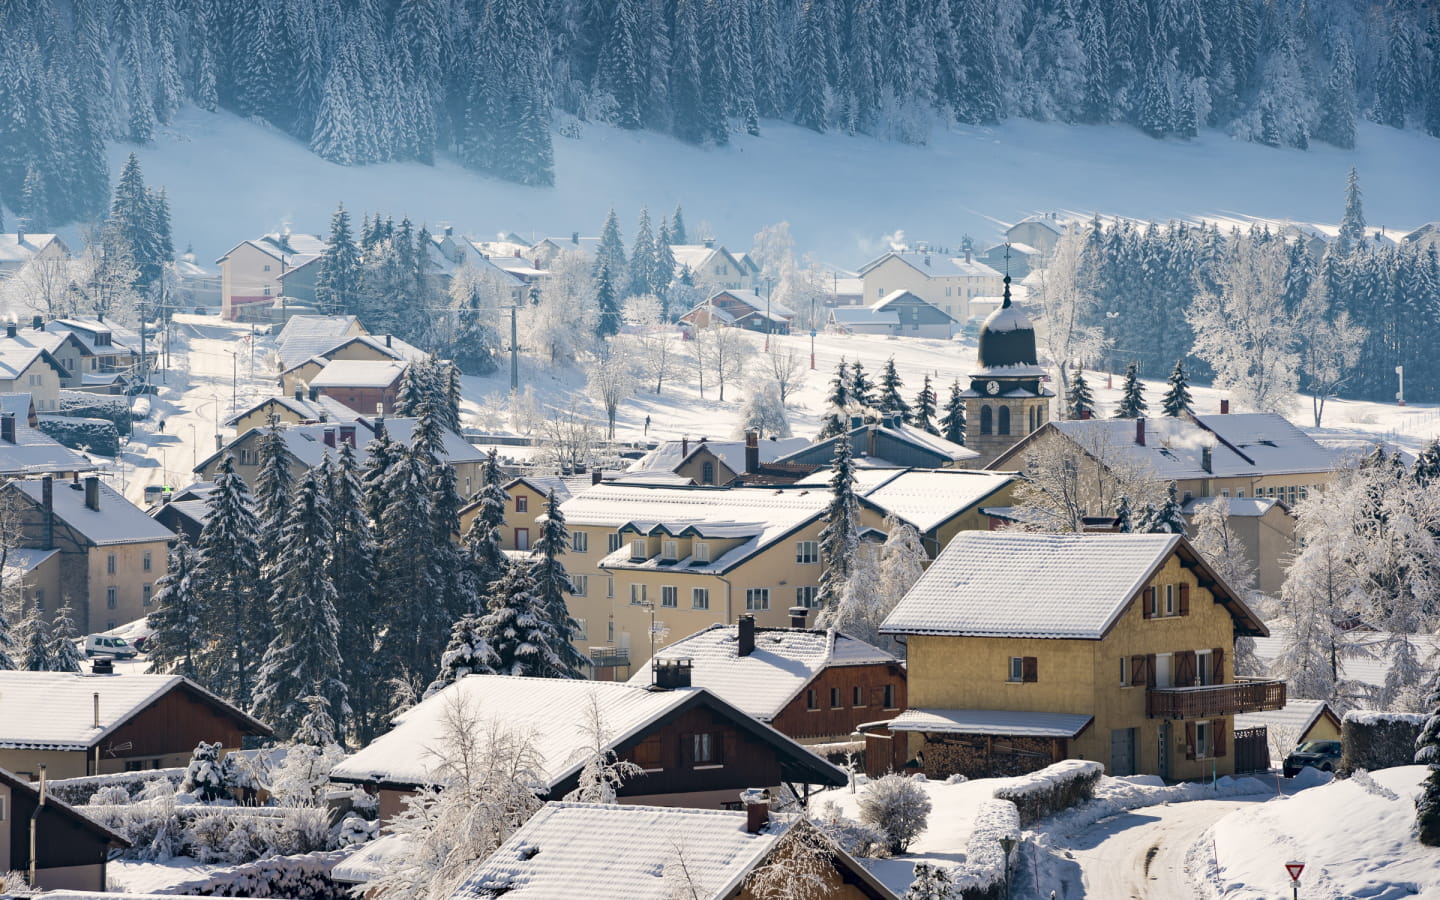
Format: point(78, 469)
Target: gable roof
point(551, 710)
point(56, 710)
point(34, 452)
point(934, 265)
point(696, 257)
point(1036, 585)
point(764, 682)
point(928, 498)
point(671, 455)
point(117, 521)
point(22, 351)
point(376, 373)
point(291, 248)
point(307, 336)
point(306, 443)
point(307, 409)
point(1298, 716)
point(19, 785)
point(15, 249)
point(894, 299)
point(895, 445)
point(864, 315)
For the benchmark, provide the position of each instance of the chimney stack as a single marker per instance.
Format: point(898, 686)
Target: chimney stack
point(668, 674)
point(7, 427)
point(330, 437)
point(10, 329)
point(314, 394)
point(798, 615)
point(387, 341)
point(752, 452)
point(299, 392)
point(96, 698)
point(20, 234)
point(103, 665)
point(1224, 406)
point(92, 492)
point(1206, 460)
point(38, 323)
point(575, 238)
point(1140, 431)
point(684, 446)
point(745, 635)
point(757, 809)
point(597, 476)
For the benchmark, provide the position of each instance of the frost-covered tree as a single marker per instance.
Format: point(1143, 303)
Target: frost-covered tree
point(1132, 399)
point(1068, 305)
point(1080, 401)
point(930, 882)
point(722, 353)
point(1221, 548)
point(1352, 222)
point(274, 489)
point(861, 388)
point(602, 772)
point(924, 414)
point(352, 558)
point(1162, 518)
point(227, 583)
point(35, 642)
point(338, 281)
point(837, 415)
point(1082, 473)
point(612, 381)
point(890, 401)
point(763, 412)
point(952, 423)
point(179, 628)
point(202, 775)
point(517, 628)
point(657, 356)
point(483, 541)
point(879, 578)
point(1177, 400)
point(1330, 346)
point(897, 806)
point(65, 655)
point(1427, 753)
point(552, 585)
point(840, 538)
point(467, 654)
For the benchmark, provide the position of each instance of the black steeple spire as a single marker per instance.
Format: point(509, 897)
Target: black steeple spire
point(1006, 304)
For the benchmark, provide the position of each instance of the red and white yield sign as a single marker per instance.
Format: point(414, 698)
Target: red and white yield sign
point(1294, 868)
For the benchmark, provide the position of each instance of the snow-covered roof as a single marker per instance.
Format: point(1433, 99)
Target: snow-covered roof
point(669, 455)
point(27, 559)
point(87, 331)
point(575, 850)
point(117, 521)
point(1240, 507)
point(302, 349)
point(552, 712)
point(35, 452)
point(1036, 585)
point(696, 257)
point(761, 515)
point(56, 710)
point(291, 248)
point(307, 442)
point(927, 498)
point(1295, 717)
point(307, 336)
point(373, 859)
point(763, 682)
point(894, 297)
point(863, 315)
point(1008, 318)
point(1368, 655)
point(1015, 247)
point(1009, 723)
point(585, 245)
point(305, 408)
point(17, 250)
point(935, 265)
point(1271, 441)
point(20, 352)
point(374, 373)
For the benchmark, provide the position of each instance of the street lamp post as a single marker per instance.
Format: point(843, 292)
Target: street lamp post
point(1007, 844)
point(769, 323)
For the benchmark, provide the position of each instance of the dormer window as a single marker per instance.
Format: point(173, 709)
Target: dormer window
point(669, 551)
point(637, 549)
point(701, 552)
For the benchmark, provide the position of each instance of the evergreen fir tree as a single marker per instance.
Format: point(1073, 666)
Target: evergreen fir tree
point(664, 272)
point(303, 657)
point(274, 486)
point(132, 227)
point(65, 655)
point(467, 653)
point(415, 611)
point(1426, 470)
point(352, 555)
point(952, 424)
point(687, 82)
point(643, 258)
point(1177, 396)
point(610, 252)
point(862, 389)
point(1337, 107)
point(34, 642)
point(516, 628)
point(338, 281)
point(1132, 399)
point(1167, 519)
point(924, 415)
point(811, 82)
point(1079, 400)
point(837, 415)
point(891, 403)
point(1394, 82)
point(1124, 516)
point(1427, 753)
point(227, 579)
point(840, 538)
point(176, 619)
point(483, 542)
point(1352, 223)
point(608, 322)
point(552, 583)
point(677, 227)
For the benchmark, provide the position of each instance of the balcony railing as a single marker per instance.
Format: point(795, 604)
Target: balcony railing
point(1209, 700)
point(609, 657)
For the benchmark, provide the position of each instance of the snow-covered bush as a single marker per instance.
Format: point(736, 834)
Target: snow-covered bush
point(1059, 786)
point(985, 861)
point(855, 838)
point(301, 877)
point(13, 884)
point(91, 435)
point(1378, 740)
point(81, 791)
point(203, 776)
point(897, 807)
point(931, 883)
point(110, 795)
point(355, 830)
point(302, 776)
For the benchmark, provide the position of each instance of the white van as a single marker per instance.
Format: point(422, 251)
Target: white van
point(108, 645)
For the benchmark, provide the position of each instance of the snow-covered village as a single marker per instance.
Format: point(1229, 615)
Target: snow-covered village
point(719, 449)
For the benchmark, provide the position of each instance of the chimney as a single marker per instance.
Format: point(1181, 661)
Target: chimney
point(314, 394)
point(684, 447)
point(299, 392)
point(47, 502)
point(10, 329)
point(92, 492)
point(752, 452)
point(347, 435)
point(757, 809)
point(38, 323)
point(745, 635)
point(927, 260)
point(449, 230)
point(798, 615)
point(7, 427)
point(668, 674)
point(1224, 406)
point(20, 235)
point(96, 698)
point(387, 341)
point(330, 437)
point(103, 665)
point(709, 243)
point(1085, 413)
point(1206, 459)
point(597, 476)
point(1140, 431)
point(575, 238)
point(872, 444)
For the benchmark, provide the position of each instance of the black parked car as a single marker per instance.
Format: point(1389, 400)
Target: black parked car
point(1323, 755)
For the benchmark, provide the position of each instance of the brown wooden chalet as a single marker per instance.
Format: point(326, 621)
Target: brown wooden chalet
point(71, 848)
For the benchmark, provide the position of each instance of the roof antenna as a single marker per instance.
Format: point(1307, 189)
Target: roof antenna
point(1006, 304)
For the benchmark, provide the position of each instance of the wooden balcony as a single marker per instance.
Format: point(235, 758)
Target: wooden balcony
point(1208, 701)
point(609, 657)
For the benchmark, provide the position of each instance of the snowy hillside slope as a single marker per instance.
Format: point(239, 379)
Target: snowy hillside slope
point(230, 179)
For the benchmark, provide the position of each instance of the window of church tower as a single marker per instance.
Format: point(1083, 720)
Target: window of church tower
point(986, 421)
point(1004, 427)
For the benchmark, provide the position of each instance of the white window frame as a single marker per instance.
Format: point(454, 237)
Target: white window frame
point(1124, 671)
point(638, 549)
point(580, 542)
point(637, 594)
point(699, 598)
point(1204, 738)
point(700, 552)
point(757, 599)
point(1204, 671)
point(808, 597)
point(1017, 670)
point(582, 630)
point(581, 583)
point(1169, 599)
point(670, 550)
point(669, 596)
point(807, 552)
point(614, 541)
point(112, 598)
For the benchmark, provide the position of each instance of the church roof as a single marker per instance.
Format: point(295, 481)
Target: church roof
point(1007, 342)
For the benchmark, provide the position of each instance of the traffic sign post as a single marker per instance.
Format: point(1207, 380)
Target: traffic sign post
point(1295, 868)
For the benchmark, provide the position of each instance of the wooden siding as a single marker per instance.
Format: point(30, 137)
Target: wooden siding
point(173, 724)
point(745, 762)
point(799, 721)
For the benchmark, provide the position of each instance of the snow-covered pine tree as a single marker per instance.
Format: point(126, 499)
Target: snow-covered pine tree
point(643, 258)
point(338, 281)
point(7, 644)
point(351, 556)
point(677, 226)
point(837, 415)
point(1177, 400)
point(607, 324)
point(179, 628)
point(611, 252)
point(304, 655)
point(1426, 470)
point(1132, 397)
point(810, 83)
point(227, 579)
point(516, 627)
point(924, 414)
point(467, 653)
point(65, 655)
point(1164, 519)
point(952, 423)
point(862, 388)
point(930, 882)
point(1080, 402)
point(1427, 753)
point(1352, 223)
point(664, 273)
point(891, 402)
point(552, 584)
point(840, 538)
point(687, 82)
point(487, 561)
point(445, 502)
point(274, 489)
point(1337, 104)
point(34, 642)
point(132, 227)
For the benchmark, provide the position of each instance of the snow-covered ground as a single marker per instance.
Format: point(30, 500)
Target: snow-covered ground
point(230, 179)
point(1355, 841)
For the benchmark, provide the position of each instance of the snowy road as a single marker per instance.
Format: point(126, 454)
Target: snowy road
point(1140, 854)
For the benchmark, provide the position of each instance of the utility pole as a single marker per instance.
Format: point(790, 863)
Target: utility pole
point(514, 352)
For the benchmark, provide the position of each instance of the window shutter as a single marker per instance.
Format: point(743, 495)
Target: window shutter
point(1150, 670)
point(1185, 668)
point(1184, 599)
point(1137, 670)
point(1217, 737)
point(1217, 665)
point(1147, 602)
point(1031, 668)
point(1189, 740)
point(687, 749)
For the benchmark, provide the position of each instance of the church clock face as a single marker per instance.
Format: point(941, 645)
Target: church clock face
point(992, 387)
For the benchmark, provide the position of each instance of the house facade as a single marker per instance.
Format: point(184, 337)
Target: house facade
point(710, 264)
point(250, 272)
point(28, 367)
point(1027, 648)
point(361, 384)
point(71, 848)
point(707, 462)
point(945, 282)
point(742, 309)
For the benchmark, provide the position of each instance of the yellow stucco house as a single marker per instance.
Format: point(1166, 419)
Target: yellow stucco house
point(944, 281)
point(1026, 648)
